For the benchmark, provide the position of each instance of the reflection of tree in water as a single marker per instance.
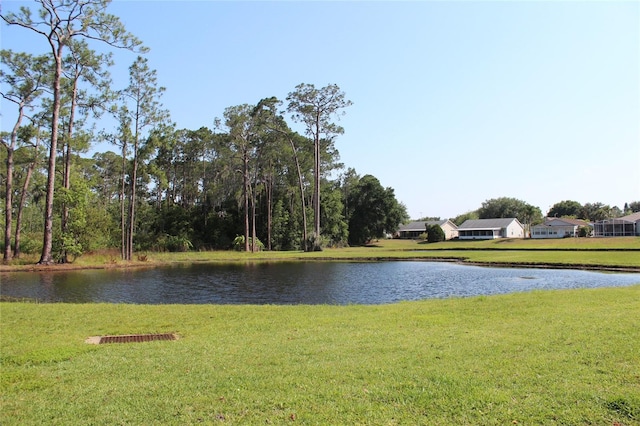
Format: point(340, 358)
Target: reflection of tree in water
point(47, 287)
point(73, 287)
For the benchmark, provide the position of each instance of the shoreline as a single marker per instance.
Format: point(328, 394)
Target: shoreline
point(158, 264)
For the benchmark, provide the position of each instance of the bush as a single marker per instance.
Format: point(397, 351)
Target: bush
point(584, 231)
point(178, 243)
point(435, 234)
point(238, 243)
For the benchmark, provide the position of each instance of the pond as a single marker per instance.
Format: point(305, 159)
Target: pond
point(296, 283)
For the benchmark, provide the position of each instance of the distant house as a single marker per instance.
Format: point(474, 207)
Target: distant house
point(558, 227)
point(488, 229)
point(618, 227)
point(417, 228)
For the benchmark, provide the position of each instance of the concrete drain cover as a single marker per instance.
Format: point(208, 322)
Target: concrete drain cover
point(130, 338)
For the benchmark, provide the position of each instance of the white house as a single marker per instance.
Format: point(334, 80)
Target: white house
point(488, 229)
point(416, 228)
point(558, 227)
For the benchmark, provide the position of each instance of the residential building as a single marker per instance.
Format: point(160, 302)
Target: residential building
point(558, 227)
point(618, 227)
point(417, 228)
point(487, 229)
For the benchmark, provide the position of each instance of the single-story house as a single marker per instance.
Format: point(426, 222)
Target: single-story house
point(488, 229)
point(417, 228)
point(558, 227)
point(628, 225)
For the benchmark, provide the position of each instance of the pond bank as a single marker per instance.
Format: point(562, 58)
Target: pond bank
point(603, 254)
point(456, 259)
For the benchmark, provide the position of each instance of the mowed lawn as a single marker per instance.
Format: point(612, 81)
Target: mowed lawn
point(618, 252)
point(544, 357)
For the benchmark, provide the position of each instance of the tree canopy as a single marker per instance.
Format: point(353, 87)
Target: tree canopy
point(567, 208)
point(374, 211)
point(510, 207)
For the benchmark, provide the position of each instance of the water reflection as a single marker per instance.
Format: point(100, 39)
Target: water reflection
point(295, 283)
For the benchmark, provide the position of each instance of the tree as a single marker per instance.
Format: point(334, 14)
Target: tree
point(60, 22)
point(268, 117)
point(461, 218)
point(596, 211)
point(429, 218)
point(143, 110)
point(242, 132)
point(33, 162)
point(505, 207)
point(122, 139)
point(348, 180)
point(633, 207)
point(567, 208)
point(26, 77)
point(374, 211)
point(273, 155)
point(106, 167)
point(335, 229)
point(316, 108)
point(82, 65)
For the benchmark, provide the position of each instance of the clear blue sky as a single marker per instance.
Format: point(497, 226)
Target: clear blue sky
point(454, 102)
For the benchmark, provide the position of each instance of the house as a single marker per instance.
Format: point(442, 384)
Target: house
point(558, 227)
point(488, 229)
point(618, 227)
point(417, 228)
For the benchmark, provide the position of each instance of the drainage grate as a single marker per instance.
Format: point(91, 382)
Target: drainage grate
point(130, 338)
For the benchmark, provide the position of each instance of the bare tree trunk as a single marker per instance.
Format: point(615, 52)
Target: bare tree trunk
point(66, 181)
point(245, 179)
point(23, 196)
point(132, 202)
point(9, 183)
point(46, 257)
point(316, 190)
point(304, 207)
point(269, 190)
point(123, 229)
point(9, 203)
point(254, 237)
point(25, 187)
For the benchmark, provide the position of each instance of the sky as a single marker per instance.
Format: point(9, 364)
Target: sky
point(454, 102)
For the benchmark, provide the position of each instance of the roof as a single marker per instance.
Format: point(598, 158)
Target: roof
point(633, 217)
point(422, 225)
point(562, 221)
point(473, 224)
point(630, 218)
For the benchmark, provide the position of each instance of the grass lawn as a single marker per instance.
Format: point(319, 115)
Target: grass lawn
point(545, 357)
point(618, 252)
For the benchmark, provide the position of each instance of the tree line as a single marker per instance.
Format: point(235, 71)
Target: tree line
point(248, 182)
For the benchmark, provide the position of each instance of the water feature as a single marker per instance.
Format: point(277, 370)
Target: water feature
point(296, 283)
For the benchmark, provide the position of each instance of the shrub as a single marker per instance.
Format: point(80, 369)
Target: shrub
point(238, 243)
point(178, 243)
point(435, 234)
point(584, 231)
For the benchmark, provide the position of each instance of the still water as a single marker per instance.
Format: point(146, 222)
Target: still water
point(296, 283)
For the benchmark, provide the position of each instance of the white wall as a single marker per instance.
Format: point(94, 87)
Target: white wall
point(514, 230)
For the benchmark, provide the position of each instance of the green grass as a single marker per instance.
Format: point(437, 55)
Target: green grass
point(552, 357)
point(624, 243)
point(591, 252)
point(605, 252)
